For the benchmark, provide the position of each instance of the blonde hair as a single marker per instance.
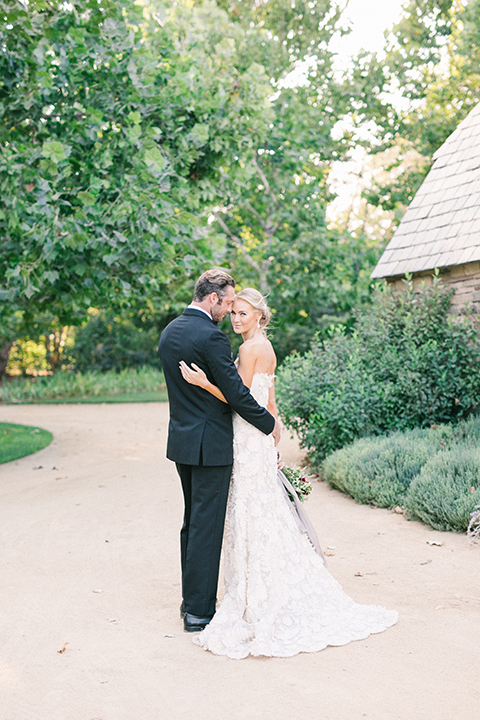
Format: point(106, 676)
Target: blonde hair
point(258, 302)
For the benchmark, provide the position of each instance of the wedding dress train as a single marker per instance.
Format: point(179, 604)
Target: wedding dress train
point(279, 597)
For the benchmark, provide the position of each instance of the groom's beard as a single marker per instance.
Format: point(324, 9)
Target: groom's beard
point(216, 317)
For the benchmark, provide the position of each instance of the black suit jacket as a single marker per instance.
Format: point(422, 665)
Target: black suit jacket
point(200, 430)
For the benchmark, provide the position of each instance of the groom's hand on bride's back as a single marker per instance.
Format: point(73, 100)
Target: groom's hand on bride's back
point(276, 432)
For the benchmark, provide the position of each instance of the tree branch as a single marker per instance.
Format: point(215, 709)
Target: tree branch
point(120, 193)
point(238, 244)
point(276, 226)
point(257, 215)
point(265, 182)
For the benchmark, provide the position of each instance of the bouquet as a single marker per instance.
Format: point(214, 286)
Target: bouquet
point(298, 480)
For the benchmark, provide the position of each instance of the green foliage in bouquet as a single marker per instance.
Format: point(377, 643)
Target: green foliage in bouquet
point(298, 480)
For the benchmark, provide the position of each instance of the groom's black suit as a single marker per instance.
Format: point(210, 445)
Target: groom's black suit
point(200, 442)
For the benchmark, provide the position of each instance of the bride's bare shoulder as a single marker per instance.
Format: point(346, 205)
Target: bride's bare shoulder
point(260, 351)
point(248, 349)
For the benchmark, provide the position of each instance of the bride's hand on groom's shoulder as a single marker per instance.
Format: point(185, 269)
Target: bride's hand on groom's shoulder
point(193, 375)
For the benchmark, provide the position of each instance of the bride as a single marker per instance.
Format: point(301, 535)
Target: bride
point(279, 597)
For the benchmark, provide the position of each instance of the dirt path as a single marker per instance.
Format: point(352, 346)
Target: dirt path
point(90, 563)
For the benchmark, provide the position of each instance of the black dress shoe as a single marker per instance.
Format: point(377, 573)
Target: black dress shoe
point(192, 623)
point(183, 612)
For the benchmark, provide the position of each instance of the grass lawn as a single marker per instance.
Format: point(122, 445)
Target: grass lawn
point(145, 384)
point(16, 441)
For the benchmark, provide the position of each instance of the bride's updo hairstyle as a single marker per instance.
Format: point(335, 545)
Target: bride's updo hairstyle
point(258, 302)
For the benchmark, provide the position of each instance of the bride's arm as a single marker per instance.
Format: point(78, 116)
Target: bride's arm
point(198, 377)
point(247, 358)
point(272, 403)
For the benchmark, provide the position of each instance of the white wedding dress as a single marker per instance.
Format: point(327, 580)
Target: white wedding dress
point(279, 597)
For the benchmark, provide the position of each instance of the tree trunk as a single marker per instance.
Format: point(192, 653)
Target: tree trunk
point(54, 343)
point(48, 353)
point(4, 353)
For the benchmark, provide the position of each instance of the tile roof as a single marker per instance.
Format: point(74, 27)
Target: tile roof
point(442, 224)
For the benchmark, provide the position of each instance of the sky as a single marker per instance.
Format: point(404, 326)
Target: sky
point(369, 19)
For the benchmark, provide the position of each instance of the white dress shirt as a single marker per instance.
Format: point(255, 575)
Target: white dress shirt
point(196, 307)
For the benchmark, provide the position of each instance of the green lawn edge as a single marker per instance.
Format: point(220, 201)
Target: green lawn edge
point(138, 397)
point(17, 441)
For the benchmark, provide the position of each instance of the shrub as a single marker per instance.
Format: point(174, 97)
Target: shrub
point(107, 342)
point(27, 357)
point(379, 470)
point(445, 492)
point(408, 364)
point(402, 469)
point(327, 398)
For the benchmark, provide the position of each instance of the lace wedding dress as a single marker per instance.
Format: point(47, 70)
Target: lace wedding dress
point(279, 598)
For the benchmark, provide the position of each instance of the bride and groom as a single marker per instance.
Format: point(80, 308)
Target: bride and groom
point(279, 597)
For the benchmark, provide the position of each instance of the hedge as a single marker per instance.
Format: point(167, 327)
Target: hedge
point(407, 365)
point(433, 473)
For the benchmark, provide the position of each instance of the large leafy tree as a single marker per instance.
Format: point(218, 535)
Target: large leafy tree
point(272, 198)
point(114, 120)
point(126, 126)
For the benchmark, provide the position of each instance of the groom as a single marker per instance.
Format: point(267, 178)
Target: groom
point(200, 436)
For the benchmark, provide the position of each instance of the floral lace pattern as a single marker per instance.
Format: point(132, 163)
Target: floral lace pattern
point(279, 598)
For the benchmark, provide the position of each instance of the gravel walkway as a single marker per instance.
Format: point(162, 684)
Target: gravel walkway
point(89, 594)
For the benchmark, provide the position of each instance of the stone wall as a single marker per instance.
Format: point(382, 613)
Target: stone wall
point(465, 279)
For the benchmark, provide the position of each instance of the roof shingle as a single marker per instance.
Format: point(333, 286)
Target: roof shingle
point(442, 224)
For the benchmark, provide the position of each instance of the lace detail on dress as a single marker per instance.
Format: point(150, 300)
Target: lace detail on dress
point(279, 598)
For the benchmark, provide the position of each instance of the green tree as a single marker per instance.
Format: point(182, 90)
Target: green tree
point(272, 198)
point(114, 119)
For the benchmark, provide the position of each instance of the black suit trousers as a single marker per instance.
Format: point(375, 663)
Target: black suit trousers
point(205, 490)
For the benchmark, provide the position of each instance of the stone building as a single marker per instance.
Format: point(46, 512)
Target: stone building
point(441, 228)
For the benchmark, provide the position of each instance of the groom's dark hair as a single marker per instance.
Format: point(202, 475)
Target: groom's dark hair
point(215, 280)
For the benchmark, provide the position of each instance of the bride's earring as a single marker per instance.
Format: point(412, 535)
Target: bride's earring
point(258, 323)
